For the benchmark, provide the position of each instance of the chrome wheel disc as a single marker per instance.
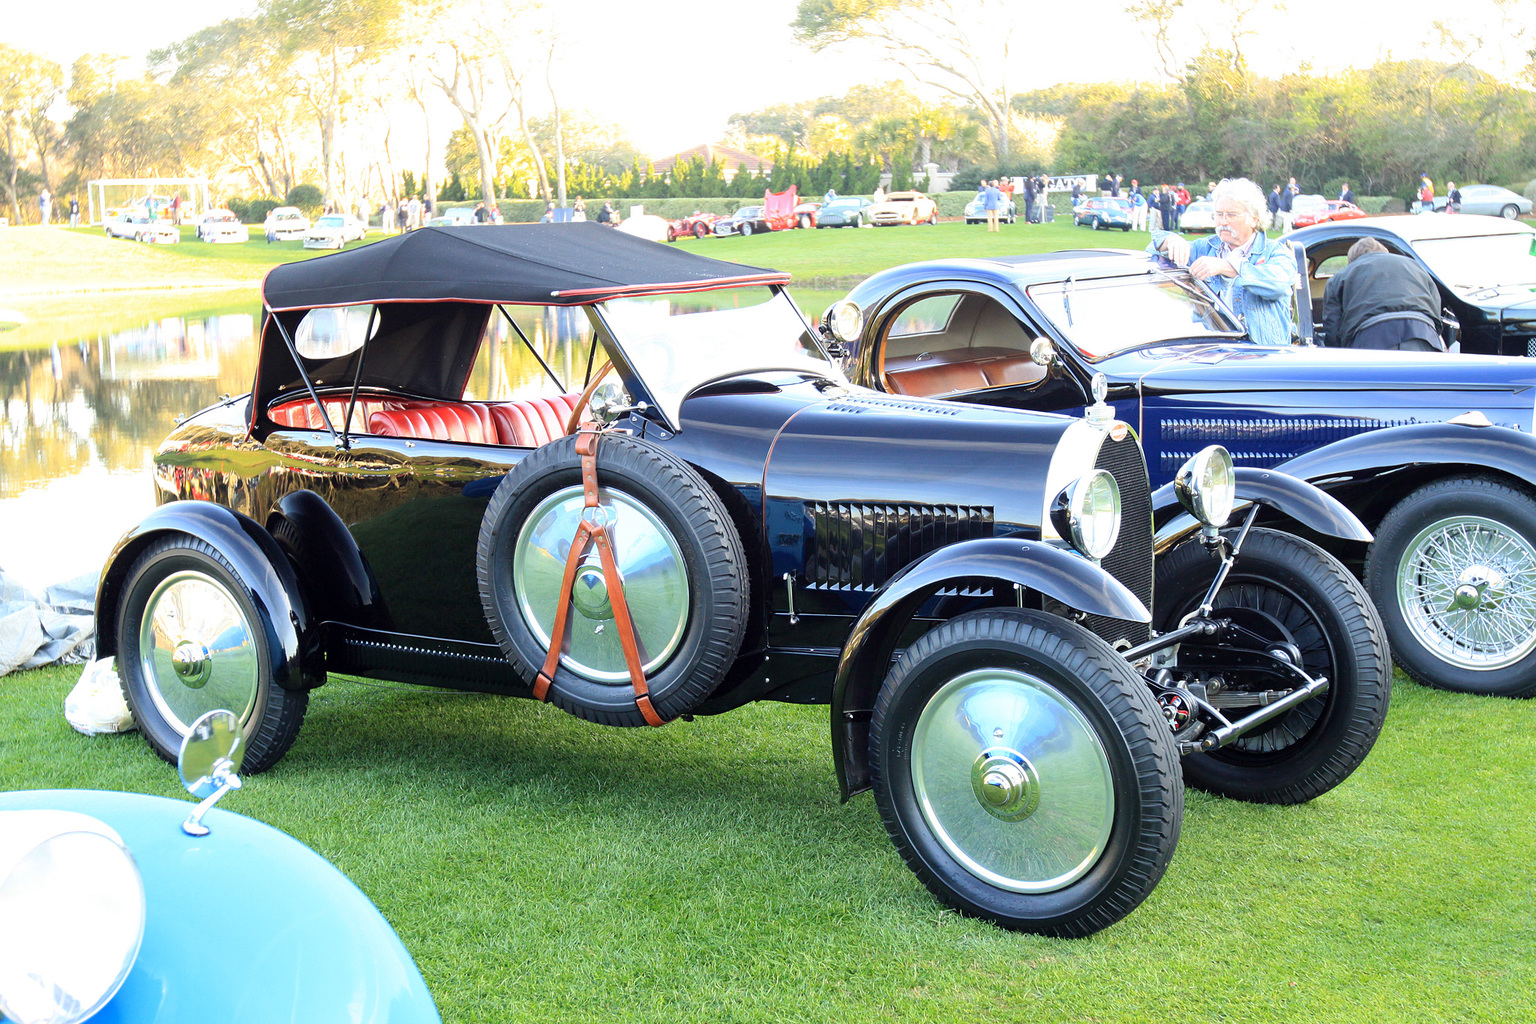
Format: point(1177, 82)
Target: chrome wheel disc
point(1466, 587)
point(1012, 780)
point(650, 564)
point(197, 651)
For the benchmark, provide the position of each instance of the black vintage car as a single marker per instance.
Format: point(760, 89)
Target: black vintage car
point(558, 462)
point(1485, 269)
point(1435, 453)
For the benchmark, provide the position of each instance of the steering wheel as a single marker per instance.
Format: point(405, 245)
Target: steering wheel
point(574, 422)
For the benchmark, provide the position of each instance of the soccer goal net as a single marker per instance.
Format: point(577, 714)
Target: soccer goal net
point(108, 195)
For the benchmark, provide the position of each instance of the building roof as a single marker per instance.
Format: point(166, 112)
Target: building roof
point(729, 159)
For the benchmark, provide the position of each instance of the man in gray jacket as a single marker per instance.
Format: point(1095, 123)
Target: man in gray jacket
point(1382, 301)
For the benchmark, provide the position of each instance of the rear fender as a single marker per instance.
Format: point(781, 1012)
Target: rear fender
point(866, 658)
point(1306, 503)
point(292, 634)
point(336, 578)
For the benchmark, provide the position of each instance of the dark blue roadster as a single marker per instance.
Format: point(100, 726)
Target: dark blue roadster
point(560, 463)
point(1435, 453)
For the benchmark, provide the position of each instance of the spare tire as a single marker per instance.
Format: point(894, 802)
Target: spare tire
point(682, 564)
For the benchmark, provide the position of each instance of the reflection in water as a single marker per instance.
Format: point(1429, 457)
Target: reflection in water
point(79, 423)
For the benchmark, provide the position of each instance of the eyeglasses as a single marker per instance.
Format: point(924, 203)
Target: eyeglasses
point(1229, 214)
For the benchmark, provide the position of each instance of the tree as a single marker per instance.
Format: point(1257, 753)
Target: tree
point(960, 47)
point(29, 83)
point(326, 40)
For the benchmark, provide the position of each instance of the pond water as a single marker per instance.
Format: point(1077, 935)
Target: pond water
point(79, 423)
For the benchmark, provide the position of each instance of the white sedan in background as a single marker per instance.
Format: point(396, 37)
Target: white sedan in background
point(285, 223)
point(136, 223)
point(1198, 216)
point(334, 230)
point(222, 226)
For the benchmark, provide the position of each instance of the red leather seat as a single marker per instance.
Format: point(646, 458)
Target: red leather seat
point(441, 421)
point(533, 422)
point(305, 415)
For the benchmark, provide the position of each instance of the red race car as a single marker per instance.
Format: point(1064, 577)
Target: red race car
point(698, 225)
point(1319, 210)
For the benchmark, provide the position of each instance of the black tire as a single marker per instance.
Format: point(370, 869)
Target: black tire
point(695, 619)
point(1288, 590)
point(1510, 211)
point(1437, 538)
point(1106, 818)
point(174, 575)
point(1127, 227)
point(1096, 224)
point(746, 227)
point(858, 221)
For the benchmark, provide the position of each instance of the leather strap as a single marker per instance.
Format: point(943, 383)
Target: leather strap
point(588, 534)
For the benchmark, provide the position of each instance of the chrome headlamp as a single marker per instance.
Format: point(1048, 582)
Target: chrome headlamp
point(1087, 513)
point(846, 320)
point(72, 901)
point(1206, 487)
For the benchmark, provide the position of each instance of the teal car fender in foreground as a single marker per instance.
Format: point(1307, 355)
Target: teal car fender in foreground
point(245, 925)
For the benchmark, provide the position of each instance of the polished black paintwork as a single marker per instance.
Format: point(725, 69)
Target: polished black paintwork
point(1279, 408)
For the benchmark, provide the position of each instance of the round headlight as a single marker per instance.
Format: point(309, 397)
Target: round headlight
point(73, 906)
point(1206, 487)
point(847, 320)
point(1087, 513)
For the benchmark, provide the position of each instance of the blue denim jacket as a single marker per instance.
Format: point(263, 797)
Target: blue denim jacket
point(1261, 291)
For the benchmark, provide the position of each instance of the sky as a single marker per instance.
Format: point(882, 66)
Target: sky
point(671, 75)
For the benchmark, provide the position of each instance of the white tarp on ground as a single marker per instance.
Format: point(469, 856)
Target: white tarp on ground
point(57, 625)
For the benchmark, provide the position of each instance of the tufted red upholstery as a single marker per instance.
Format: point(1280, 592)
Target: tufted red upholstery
point(303, 413)
point(533, 422)
point(442, 421)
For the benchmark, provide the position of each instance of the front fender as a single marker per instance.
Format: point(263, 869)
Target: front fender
point(1501, 449)
point(866, 657)
point(305, 944)
point(1308, 504)
point(291, 632)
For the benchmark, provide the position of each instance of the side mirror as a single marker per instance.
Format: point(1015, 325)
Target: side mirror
point(211, 754)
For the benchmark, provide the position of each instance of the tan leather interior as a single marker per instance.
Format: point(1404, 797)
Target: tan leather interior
point(982, 346)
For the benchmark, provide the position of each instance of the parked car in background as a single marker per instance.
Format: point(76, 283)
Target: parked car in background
point(136, 223)
point(1199, 215)
point(844, 212)
point(746, 220)
point(656, 525)
point(1489, 200)
point(976, 214)
point(1323, 212)
point(334, 230)
point(1103, 212)
point(1485, 269)
point(647, 226)
point(285, 223)
point(1435, 454)
point(222, 226)
point(105, 897)
point(805, 214)
point(453, 216)
point(903, 208)
point(699, 225)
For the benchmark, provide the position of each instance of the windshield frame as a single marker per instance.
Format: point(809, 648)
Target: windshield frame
point(1178, 277)
point(640, 346)
point(1437, 255)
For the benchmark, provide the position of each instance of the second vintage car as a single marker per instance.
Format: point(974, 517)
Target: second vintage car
point(334, 231)
point(1103, 212)
point(1435, 453)
point(222, 226)
point(903, 208)
point(556, 462)
point(1485, 269)
point(136, 223)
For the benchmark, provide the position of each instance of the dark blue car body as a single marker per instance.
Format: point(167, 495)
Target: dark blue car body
point(1429, 450)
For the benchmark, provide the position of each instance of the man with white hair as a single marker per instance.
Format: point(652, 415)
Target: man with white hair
point(1253, 273)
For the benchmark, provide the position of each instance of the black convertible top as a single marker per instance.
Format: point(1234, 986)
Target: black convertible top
point(532, 264)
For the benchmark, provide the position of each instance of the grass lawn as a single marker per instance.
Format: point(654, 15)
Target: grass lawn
point(540, 869)
point(68, 281)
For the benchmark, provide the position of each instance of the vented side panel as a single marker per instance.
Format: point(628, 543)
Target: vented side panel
point(859, 547)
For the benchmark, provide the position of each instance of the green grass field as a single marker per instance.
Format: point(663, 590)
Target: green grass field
point(540, 868)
